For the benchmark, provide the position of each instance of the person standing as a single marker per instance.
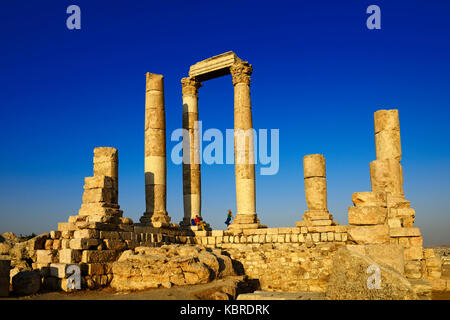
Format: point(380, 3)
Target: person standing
point(229, 216)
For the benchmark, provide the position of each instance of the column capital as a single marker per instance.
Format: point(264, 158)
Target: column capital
point(241, 72)
point(190, 85)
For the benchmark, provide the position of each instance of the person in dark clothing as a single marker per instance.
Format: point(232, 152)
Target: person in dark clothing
point(229, 216)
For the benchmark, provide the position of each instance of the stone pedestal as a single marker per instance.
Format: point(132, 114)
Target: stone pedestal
point(244, 149)
point(155, 152)
point(191, 153)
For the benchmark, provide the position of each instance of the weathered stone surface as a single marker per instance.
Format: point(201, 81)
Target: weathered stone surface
point(369, 234)
point(4, 248)
point(363, 199)
point(389, 254)
point(214, 67)
point(94, 256)
point(386, 176)
point(168, 265)
point(367, 215)
point(349, 279)
point(316, 193)
point(405, 232)
point(386, 120)
point(26, 282)
point(388, 145)
point(314, 166)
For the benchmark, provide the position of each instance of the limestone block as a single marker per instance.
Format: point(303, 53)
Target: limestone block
point(46, 256)
point(413, 253)
point(214, 66)
point(402, 212)
point(99, 195)
point(86, 234)
point(367, 215)
point(316, 193)
point(396, 200)
point(69, 256)
point(315, 237)
point(389, 254)
point(114, 235)
point(369, 234)
point(348, 280)
point(388, 145)
point(405, 232)
point(92, 269)
point(416, 241)
point(115, 244)
point(363, 199)
point(155, 170)
point(94, 256)
point(438, 285)
point(96, 211)
point(98, 182)
point(84, 244)
point(65, 226)
point(154, 82)
point(55, 234)
point(386, 120)
point(321, 222)
point(394, 223)
point(155, 142)
point(314, 166)
point(413, 269)
point(386, 176)
point(317, 215)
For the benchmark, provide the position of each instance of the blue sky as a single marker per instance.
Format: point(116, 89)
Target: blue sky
point(319, 75)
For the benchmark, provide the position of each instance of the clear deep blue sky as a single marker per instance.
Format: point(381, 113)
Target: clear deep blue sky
point(319, 75)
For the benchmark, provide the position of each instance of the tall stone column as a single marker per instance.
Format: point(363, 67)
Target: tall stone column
point(155, 152)
point(386, 173)
point(314, 173)
point(244, 148)
point(191, 152)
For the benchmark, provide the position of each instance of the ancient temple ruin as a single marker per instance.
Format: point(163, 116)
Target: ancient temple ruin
point(292, 258)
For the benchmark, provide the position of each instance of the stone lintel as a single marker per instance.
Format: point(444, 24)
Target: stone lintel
point(214, 67)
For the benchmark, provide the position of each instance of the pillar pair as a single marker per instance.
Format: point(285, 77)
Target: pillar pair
point(243, 146)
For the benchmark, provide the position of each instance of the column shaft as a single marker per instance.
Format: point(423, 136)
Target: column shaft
point(244, 147)
point(155, 151)
point(191, 152)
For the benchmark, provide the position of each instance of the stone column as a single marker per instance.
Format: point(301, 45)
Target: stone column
point(100, 196)
point(316, 190)
point(191, 151)
point(244, 148)
point(155, 152)
point(106, 163)
point(386, 173)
